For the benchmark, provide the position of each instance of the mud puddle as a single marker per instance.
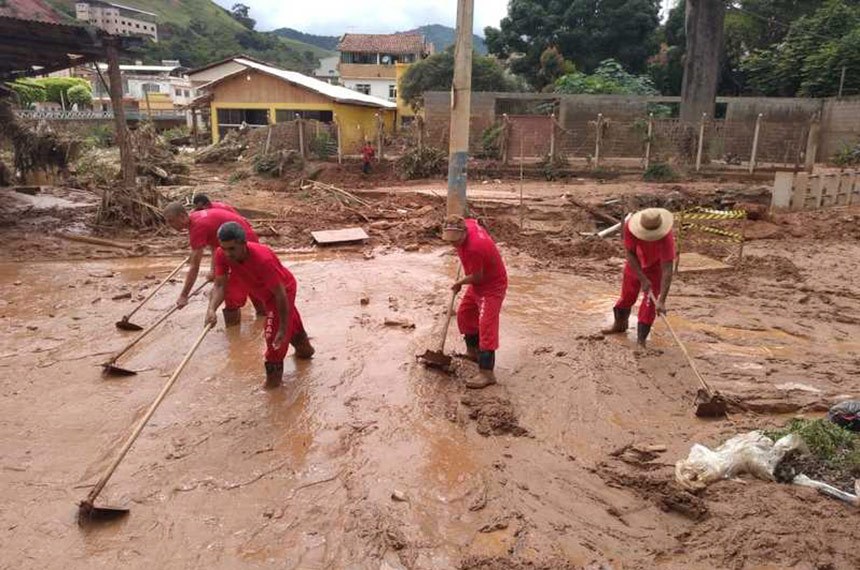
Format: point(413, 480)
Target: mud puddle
point(364, 459)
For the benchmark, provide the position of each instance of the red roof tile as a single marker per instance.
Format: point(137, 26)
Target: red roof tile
point(382, 43)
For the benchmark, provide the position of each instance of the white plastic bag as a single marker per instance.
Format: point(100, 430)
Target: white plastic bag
point(752, 453)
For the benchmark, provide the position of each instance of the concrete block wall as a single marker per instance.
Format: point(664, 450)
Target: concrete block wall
point(840, 125)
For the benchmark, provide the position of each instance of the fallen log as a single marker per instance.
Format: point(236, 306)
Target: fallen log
point(96, 241)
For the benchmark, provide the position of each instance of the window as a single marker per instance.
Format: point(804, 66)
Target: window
point(187, 93)
point(178, 92)
point(232, 119)
point(358, 57)
point(151, 88)
point(284, 115)
point(392, 92)
point(362, 88)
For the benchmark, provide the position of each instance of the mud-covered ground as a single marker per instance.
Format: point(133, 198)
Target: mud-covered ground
point(364, 459)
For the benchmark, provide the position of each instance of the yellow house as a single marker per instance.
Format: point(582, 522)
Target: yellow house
point(260, 95)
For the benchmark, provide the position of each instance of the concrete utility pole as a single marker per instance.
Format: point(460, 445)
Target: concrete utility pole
point(704, 28)
point(461, 103)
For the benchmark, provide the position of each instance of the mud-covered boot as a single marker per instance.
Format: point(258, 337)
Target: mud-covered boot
point(471, 346)
point(232, 317)
point(259, 307)
point(274, 374)
point(622, 321)
point(486, 376)
point(642, 332)
point(302, 344)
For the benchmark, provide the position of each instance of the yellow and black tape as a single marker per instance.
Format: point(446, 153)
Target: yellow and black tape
point(709, 214)
point(729, 235)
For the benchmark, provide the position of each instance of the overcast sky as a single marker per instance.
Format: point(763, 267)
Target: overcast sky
point(334, 17)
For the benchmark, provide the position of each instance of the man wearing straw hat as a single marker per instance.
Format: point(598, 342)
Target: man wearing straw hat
point(478, 313)
point(650, 257)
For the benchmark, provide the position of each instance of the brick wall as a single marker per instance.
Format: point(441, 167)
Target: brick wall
point(840, 125)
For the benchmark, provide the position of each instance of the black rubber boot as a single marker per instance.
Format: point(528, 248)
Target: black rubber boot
point(471, 346)
point(274, 374)
point(302, 344)
point(486, 376)
point(642, 332)
point(232, 317)
point(622, 321)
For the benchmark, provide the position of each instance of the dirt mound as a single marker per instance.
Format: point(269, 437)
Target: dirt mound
point(494, 415)
point(596, 248)
point(779, 526)
point(771, 267)
point(506, 563)
point(349, 175)
point(661, 490)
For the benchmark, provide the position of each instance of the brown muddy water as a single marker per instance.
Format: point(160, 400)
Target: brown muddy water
point(364, 459)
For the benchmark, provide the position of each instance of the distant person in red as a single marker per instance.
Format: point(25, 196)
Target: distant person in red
point(262, 274)
point(650, 262)
point(478, 313)
point(202, 202)
point(367, 154)
point(202, 226)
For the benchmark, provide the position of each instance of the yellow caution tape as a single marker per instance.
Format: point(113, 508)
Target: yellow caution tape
point(709, 214)
point(732, 236)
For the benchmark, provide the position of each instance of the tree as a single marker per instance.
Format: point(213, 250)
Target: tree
point(704, 33)
point(28, 92)
point(584, 31)
point(609, 78)
point(436, 73)
point(81, 95)
point(241, 13)
point(809, 61)
point(553, 65)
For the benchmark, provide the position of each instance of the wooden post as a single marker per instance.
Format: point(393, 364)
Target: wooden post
point(522, 161)
point(648, 140)
point(194, 125)
point(755, 142)
point(419, 120)
point(148, 107)
point(380, 123)
point(598, 140)
point(461, 104)
point(339, 143)
point(812, 143)
point(841, 83)
point(300, 125)
point(127, 163)
point(551, 138)
point(701, 142)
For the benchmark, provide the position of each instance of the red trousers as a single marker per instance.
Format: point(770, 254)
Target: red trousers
point(479, 314)
point(236, 294)
point(273, 321)
point(630, 288)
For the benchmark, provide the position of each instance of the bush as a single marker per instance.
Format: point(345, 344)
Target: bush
point(238, 176)
point(423, 162)
point(848, 155)
point(80, 95)
point(491, 141)
point(553, 167)
point(323, 146)
point(99, 136)
point(28, 92)
point(659, 172)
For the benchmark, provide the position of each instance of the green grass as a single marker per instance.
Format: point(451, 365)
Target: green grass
point(826, 440)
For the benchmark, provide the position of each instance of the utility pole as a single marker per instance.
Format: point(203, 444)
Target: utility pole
point(461, 103)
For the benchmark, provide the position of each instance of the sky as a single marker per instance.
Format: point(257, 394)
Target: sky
point(335, 17)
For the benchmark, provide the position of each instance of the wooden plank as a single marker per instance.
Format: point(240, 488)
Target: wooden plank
point(346, 235)
point(801, 187)
point(691, 262)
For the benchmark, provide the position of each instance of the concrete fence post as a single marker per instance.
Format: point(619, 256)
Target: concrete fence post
point(598, 140)
point(301, 128)
point(648, 138)
point(506, 138)
point(339, 138)
point(701, 142)
point(755, 142)
point(812, 143)
point(552, 137)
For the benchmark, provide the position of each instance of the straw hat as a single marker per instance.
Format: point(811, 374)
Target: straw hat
point(651, 224)
point(453, 228)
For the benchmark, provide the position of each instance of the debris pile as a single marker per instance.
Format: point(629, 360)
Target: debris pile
point(228, 149)
point(422, 162)
point(39, 148)
point(155, 157)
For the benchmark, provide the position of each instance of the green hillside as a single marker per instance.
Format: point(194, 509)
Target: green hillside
point(197, 32)
point(328, 43)
point(443, 36)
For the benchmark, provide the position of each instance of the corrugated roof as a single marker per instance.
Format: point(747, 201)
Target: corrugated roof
point(382, 43)
point(336, 92)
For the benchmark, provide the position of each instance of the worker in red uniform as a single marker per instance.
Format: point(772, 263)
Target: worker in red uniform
point(650, 262)
point(202, 202)
point(262, 274)
point(478, 313)
point(202, 226)
point(367, 154)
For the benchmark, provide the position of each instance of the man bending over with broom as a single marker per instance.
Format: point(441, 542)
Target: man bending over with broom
point(478, 313)
point(260, 271)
